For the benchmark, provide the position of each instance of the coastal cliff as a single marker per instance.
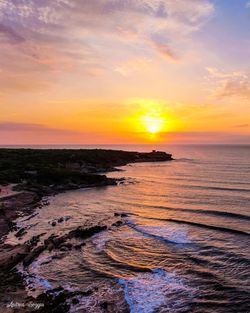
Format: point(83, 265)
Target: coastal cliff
point(47, 171)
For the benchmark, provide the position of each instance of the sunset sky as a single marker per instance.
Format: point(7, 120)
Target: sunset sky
point(124, 71)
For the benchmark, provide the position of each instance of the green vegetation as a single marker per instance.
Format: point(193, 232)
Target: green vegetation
point(38, 168)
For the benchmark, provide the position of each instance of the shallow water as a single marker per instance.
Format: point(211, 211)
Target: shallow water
point(184, 246)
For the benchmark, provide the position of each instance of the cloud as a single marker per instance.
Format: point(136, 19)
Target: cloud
point(235, 88)
point(29, 127)
point(241, 125)
point(200, 137)
point(14, 133)
point(165, 51)
point(248, 5)
point(229, 84)
point(92, 36)
point(134, 65)
point(10, 34)
point(216, 73)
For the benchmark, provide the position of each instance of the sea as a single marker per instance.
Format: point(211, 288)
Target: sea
point(184, 242)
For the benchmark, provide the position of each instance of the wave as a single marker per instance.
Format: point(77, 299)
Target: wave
point(195, 211)
point(149, 292)
point(219, 188)
point(207, 212)
point(217, 228)
point(167, 235)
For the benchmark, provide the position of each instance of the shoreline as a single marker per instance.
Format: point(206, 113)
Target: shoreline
point(28, 198)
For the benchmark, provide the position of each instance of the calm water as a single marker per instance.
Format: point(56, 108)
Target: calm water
point(184, 246)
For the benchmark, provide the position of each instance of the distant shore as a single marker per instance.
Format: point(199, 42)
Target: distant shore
point(29, 175)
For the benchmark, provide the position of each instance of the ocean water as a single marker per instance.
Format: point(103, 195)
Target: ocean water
point(184, 245)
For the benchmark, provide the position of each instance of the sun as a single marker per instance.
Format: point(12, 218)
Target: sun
point(153, 123)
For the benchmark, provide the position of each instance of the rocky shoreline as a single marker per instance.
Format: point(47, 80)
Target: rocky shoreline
point(12, 287)
point(33, 181)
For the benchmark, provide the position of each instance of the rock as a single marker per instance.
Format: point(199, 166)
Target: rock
point(86, 232)
point(68, 245)
point(58, 256)
point(32, 255)
point(21, 232)
point(121, 214)
point(64, 249)
point(117, 224)
point(46, 262)
point(75, 301)
point(50, 246)
point(35, 239)
point(104, 305)
point(60, 220)
point(53, 223)
point(65, 246)
point(87, 293)
point(124, 215)
point(78, 247)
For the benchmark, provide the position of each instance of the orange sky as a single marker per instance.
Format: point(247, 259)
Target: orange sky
point(103, 72)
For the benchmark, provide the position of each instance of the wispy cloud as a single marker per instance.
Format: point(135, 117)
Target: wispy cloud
point(238, 88)
point(29, 127)
point(241, 125)
point(165, 51)
point(206, 137)
point(10, 35)
point(230, 84)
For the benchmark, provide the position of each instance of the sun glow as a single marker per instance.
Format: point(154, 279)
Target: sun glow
point(153, 124)
point(152, 120)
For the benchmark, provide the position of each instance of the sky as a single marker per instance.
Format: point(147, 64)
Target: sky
point(124, 71)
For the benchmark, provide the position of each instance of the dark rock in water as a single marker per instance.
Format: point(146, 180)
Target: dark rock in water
point(104, 305)
point(21, 232)
point(56, 300)
point(50, 246)
point(60, 220)
point(124, 215)
point(87, 232)
point(64, 249)
point(78, 247)
point(117, 224)
point(121, 214)
point(32, 255)
point(53, 223)
point(53, 302)
point(67, 245)
point(86, 293)
point(75, 301)
point(58, 256)
point(60, 288)
point(35, 239)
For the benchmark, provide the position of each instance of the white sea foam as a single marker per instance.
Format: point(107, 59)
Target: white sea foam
point(147, 292)
point(100, 240)
point(174, 234)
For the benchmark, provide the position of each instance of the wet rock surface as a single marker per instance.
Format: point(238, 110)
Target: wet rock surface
point(58, 299)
